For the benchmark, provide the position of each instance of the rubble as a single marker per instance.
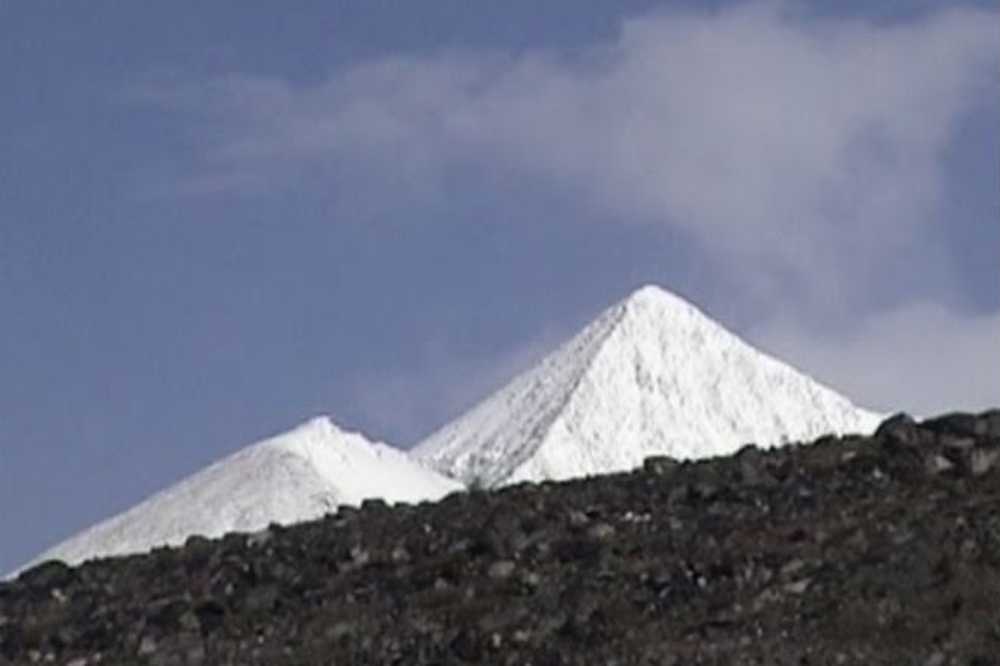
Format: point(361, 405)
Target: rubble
point(848, 550)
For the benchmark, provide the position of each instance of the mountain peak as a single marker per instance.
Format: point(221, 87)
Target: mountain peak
point(318, 426)
point(651, 295)
point(651, 310)
point(294, 476)
point(652, 375)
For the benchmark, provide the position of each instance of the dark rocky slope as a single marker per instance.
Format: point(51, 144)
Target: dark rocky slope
point(882, 550)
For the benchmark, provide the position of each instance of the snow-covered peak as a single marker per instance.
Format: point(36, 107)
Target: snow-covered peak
point(651, 375)
point(298, 475)
point(654, 296)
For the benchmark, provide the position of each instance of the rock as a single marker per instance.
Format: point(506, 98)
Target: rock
point(660, 465)
point(521, 636)
point(374, 504)
point(937, 464)
point(48, 575)
point(792, 567)
point(578, 519)
point(211, 615)
point(147, 646)
point(991, 421)
point(195, 653)
point(937, 658)
point(576, 549)
point(197, 543)
point(983, 460)
point(751, 466)
point(502, 569)
point(601, 532)
point(705, 491)
point(530, 579)
point(262, 599)
point(360, 556)
point(798, 587)
point(190, 621)
point(961, 424)
point(783, 556)
point(340, 630)
point(259, 538)
point(960, 444)
point(165, 612)
point(900, 427)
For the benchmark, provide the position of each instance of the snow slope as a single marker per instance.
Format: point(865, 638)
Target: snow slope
point(651, 375)
point(295, 476)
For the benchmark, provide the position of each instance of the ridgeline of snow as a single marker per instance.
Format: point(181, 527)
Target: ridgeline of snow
point(651, 375)
point(295, 476)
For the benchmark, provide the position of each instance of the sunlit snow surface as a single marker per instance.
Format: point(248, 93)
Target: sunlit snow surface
point(295, 476)
point(652, 375)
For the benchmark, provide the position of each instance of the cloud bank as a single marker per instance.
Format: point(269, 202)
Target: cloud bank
point(801, 156)
point(923, 358)
point(788, 145)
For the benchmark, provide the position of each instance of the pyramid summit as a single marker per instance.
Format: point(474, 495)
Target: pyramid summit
point(295, 476)
point(652, 375)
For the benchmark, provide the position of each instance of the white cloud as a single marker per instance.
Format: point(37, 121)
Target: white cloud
point(785, 146)
point(802, 156)
point(923, 358)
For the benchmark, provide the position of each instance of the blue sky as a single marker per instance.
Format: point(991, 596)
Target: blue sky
point(218, 220)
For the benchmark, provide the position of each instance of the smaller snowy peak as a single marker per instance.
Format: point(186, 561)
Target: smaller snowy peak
point(295, 476)
point(355, 468)
point(651, 375)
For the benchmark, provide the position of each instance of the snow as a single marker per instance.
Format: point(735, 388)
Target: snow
point(299, 475)
point(651, 375)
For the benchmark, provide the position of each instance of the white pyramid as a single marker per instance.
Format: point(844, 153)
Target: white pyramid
point(651, 375)
point(295, 476)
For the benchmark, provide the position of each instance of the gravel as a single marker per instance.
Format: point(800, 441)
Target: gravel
point(848, 550)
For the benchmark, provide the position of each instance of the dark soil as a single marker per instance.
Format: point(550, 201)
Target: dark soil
point(881, 550)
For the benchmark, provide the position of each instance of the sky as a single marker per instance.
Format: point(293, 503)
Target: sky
point(218, 220)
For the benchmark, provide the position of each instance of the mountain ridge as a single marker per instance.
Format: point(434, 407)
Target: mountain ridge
point(295, 475)
point(877, 550)
point(650, 375)
point(684, 365)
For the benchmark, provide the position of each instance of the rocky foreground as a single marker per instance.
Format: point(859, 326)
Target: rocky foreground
point(853, 550)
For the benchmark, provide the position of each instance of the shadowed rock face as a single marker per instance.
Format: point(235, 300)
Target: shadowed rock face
point(880, 550)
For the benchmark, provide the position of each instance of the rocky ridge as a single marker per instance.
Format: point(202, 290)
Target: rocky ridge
point(849, 550)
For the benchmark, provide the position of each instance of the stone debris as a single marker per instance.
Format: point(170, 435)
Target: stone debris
point(502, 569)
point(850, 550)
